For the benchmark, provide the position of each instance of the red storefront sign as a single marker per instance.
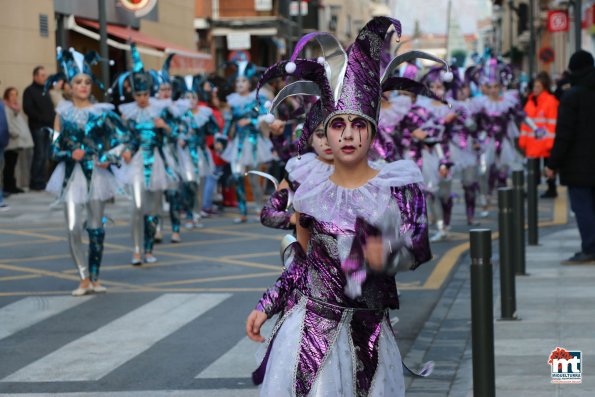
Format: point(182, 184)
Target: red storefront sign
point(590, 19)
point(557, 21)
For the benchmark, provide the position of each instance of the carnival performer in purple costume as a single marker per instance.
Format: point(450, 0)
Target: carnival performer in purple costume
point(464, 144)
point(498, 114)
point(318, 164)
point(439, 185)
point(334, 335)
point(420, 138)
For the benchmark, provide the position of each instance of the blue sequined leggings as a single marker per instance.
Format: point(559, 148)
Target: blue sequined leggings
point(174, 198)
point(75, 222)
point(146, 205)
point(239, 182)
point(189, 198)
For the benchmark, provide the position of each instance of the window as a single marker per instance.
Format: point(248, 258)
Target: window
point(43, 25)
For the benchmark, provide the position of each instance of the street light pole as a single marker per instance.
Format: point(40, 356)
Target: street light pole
point(103, 51)
point(532, 38)
point(578, 20)
point(511, 11)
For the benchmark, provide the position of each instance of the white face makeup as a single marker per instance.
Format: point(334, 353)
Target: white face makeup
point(193, 99)
point(242, 85)
point(81, 86)
point(493, 90)
point(349, 137)
point(320, 144)
point(165, 91)
point(437, 88)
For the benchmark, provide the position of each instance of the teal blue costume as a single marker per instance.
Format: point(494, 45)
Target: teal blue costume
point(83, 185)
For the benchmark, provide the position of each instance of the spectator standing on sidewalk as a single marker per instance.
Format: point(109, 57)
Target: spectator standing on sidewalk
point(20, 145)
point(40, 111)
point(3, 142)
point(573, 154)
point(542, 109)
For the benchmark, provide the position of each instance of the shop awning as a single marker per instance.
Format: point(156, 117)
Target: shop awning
point(185, 59)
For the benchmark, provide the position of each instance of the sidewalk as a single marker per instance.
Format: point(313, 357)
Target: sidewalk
point(555, 307)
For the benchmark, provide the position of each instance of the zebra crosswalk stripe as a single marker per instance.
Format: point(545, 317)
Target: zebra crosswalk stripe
point(94, 355)
point(147, 393)
point(240, 359)
point(26, 312)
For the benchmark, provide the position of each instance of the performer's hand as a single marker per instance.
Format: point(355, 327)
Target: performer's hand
point(277, 127)
point(78, 154)
point(373, 253)
point(103, 165)
point(243, 122)
point(159, 123)
point(450, 118)
point(253, 324)
point(419, 134)
point(549, 173)
point(127, 156)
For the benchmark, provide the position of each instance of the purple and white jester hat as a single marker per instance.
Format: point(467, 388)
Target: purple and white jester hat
point(346, 82)
point(437, 73)
point(495, 71)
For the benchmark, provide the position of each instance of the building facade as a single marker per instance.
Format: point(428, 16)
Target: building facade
point(30, 30)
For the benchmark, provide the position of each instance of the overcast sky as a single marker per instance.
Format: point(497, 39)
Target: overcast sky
point(432, 14)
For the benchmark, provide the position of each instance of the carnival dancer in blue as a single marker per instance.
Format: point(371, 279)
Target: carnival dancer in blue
point(196, 162)
point(248, 147)
point(147, 172)
point(87, 139)
point(172, 115)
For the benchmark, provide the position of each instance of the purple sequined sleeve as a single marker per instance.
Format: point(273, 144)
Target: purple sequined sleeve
point(412, 204)
point(273, 213)
point(274, 300)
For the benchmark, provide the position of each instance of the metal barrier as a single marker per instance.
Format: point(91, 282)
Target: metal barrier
point(507, 282)
point(532, 215)
point(482, 313)
point(518, 222)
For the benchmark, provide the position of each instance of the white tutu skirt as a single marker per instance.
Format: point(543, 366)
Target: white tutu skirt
point(206, 165)
point(462, 158)
point(248, 157)
point(509, 157)
point(187, 168)
point(430, 170)
point(134, 172)
point(170, 160)
point(335, 378)
point(102, 187)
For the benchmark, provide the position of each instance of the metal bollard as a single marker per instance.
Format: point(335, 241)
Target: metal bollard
point(532, 218)
point(518, 222)
point(482, 313)
point(507, 282)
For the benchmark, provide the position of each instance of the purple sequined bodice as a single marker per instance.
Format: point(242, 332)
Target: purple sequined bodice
point(325, 280)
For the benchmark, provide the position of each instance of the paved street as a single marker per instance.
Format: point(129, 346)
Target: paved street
point(174, 328)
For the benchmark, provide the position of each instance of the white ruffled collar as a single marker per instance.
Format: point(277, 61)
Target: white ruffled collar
point(328, 202)
point(235, 99)
point(131, 111)
point(307, 166)
point(65, 106)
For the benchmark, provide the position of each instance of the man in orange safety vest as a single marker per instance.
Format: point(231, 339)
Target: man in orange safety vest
point(537, 134)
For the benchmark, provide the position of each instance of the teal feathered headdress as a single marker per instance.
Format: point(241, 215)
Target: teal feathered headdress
point(140, 80)
point(72, 63)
